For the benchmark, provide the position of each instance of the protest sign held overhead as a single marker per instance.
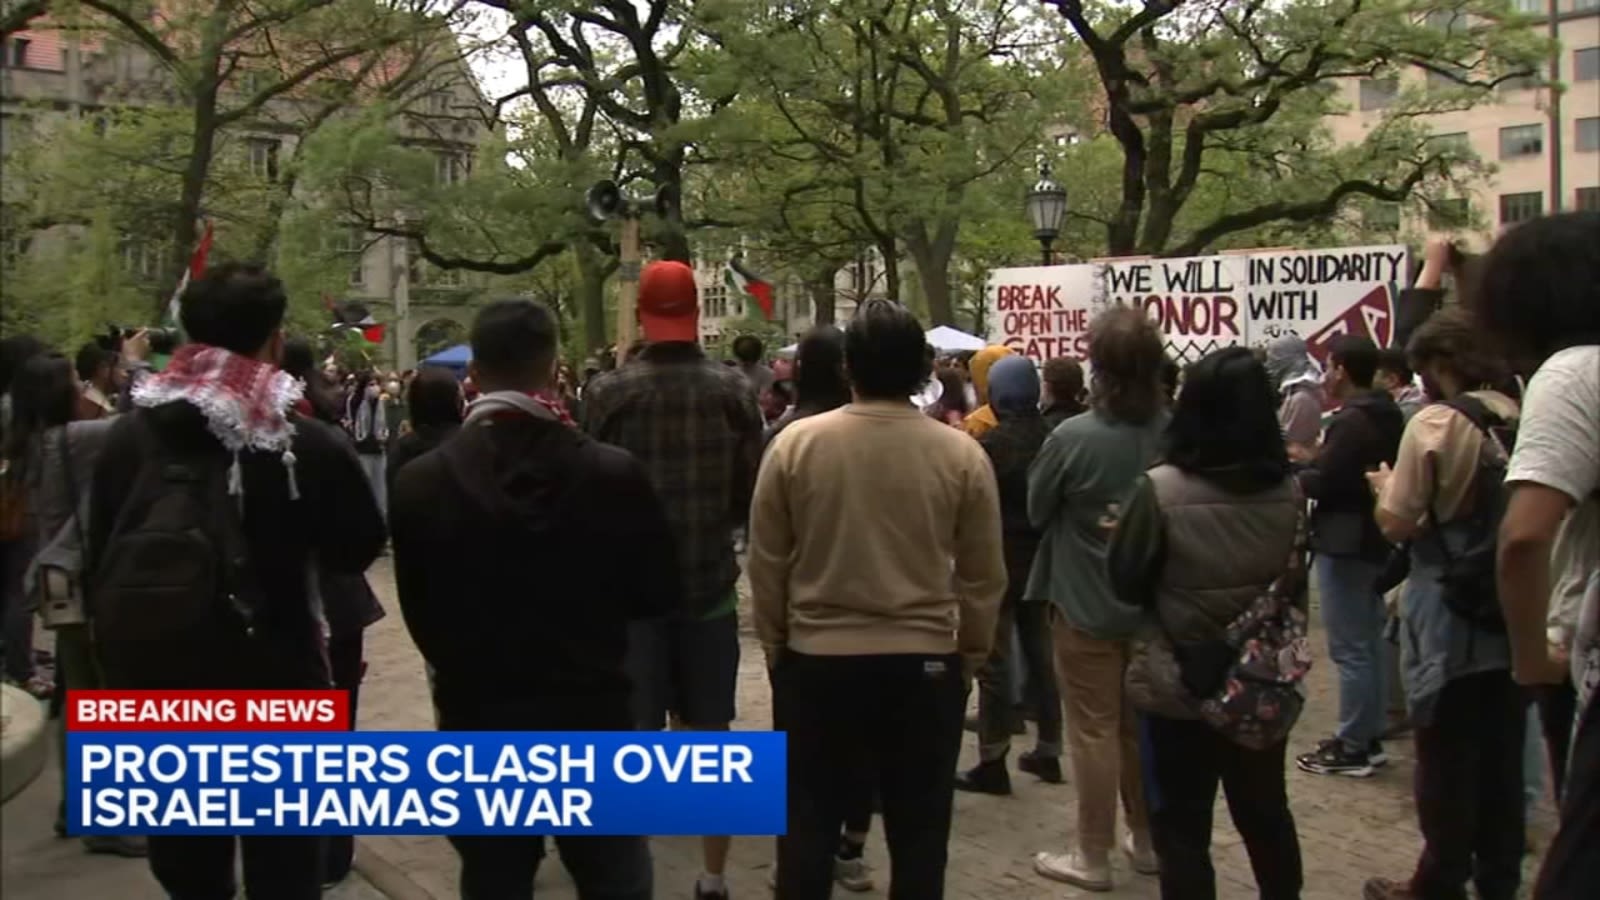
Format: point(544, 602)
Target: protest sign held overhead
point(1203, 303)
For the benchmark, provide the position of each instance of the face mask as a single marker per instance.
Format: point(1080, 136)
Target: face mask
point(393, 388)
point(372, 390)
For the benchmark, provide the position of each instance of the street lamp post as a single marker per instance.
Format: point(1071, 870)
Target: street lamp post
point(1046, 205)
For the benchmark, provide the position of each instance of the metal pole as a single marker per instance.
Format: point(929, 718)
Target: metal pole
point(1557, 189)
point(1044, 246)
point(627, 285)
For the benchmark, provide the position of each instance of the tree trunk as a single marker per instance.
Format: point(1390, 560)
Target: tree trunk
point(824, 293)
point(202, 144)
point(933, 272)
point(673, 240)
point(891, 269)
point(591, 297)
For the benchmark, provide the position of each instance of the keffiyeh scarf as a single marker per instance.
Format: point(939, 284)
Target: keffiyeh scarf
point(369, 419)
point(245, 402)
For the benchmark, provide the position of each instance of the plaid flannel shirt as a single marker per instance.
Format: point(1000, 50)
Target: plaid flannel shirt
point(696, 427)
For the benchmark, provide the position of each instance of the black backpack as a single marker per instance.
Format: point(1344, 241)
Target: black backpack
point(172, 598)
point(1468, 580)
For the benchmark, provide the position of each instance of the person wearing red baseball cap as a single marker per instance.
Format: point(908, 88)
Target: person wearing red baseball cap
point(695, 426)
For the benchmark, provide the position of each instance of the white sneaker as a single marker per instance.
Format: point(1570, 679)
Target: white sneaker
point(1140, 855)
point(853, 874)
point(1072, 868)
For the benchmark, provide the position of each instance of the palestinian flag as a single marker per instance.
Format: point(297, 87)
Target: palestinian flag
point(196, 268)
point(351, 315)
point(743, 281)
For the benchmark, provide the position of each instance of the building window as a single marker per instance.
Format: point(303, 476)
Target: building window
point(1519, 83)
point(1448, 214)
point(1518, 208)
point(1378, 93)
point(352, 245)
point(17, 53)
point(1532, 7)
point(1588, 135)
point(141, 258)
point(251, 83)
point(1521, 140)
point(1442, 20)
point(451, 167)
point(1453, 142)
point(1382, 217)
point(1583, 5)
point(1586, 64)
point(264, 157)
point(1589, 199)
point(439, 103)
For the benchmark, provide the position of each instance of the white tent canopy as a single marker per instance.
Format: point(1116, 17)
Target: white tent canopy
point(951, 340)
point(943, 338)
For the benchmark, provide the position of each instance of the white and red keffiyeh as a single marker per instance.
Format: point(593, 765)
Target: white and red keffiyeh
point(245, 402)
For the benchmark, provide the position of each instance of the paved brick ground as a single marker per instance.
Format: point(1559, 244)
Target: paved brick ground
point(1350, 829)
point(36, 865)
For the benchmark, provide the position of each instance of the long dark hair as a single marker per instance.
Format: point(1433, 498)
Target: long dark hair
point(1225, 422)
point(44, 395)
point(819, 380)
point(954, 397)
point(14, 351)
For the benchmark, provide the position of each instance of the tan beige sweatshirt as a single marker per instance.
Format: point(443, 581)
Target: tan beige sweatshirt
point(859, 515)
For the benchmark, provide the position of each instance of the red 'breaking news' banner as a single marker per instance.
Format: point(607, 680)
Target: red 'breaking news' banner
point(208, 710)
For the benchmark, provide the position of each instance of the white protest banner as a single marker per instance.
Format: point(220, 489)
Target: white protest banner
point(1204, 303)
point(1042, 311)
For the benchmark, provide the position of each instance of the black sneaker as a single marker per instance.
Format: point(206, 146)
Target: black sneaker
point(701, 893)
point(1045, 768)
point(1332, 757)
point(1376, 755)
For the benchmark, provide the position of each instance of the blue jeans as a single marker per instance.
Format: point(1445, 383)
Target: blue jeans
point(374, 466)
point(1353, 614)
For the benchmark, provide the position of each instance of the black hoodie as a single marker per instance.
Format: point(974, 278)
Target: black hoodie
point(522, 550)
point(1361, 436)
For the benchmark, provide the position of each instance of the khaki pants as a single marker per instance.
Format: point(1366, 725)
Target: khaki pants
point(1101, 737)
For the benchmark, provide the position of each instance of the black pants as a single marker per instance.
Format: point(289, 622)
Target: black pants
point(1558, 706)
point(995, 709)
point(201, 868)
point(1572, 865)
point(902, 728)
point(1469, 790)
point(1184, 761)
point(604, 868)
point(503, 868)
point(1040, 691)
point(344, 660)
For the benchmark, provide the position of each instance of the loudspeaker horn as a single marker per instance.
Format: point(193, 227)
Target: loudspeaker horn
point(604, 201)
point(666, 201)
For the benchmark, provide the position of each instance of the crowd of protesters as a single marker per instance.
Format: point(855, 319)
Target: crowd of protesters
point(1121, 552)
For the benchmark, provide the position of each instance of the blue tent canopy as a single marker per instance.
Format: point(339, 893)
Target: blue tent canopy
point(455, 357)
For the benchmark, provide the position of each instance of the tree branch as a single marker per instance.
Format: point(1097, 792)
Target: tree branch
point(1279, 211)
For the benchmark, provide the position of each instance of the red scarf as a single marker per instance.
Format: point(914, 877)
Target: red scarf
point(551, 401)
point(245, 401)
